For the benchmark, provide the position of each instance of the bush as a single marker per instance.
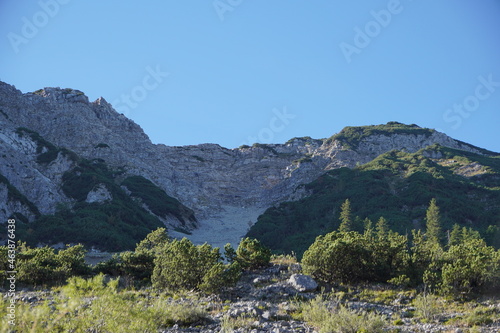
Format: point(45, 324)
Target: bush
point(352, 257)
point(400, 281)
point(154, 240)
point(167, 313)
point(428, 306)
point(136, 266)
point(45, 266)
point(38, 267)
point(426, 260)
point(180, 265)
point(220, 276)
point(229, 253)
point(349, 321)
point(315, 312)
point(471, 267)
point(338, 256)
point(480, 317)
point(94, 286)
point(72, 259)
point(252, 254)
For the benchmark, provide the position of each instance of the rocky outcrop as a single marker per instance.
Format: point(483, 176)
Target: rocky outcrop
point(10, 206)
point(99, 194)
point(39, 183)
point(303, 283)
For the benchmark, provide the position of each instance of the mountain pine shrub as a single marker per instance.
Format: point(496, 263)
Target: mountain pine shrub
point(181, 265)
point(252, 254)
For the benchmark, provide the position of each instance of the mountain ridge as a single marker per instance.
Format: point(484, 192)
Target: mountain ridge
point(216, 183)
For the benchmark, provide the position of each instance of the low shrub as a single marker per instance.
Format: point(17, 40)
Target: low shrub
point(96, 285)
point(481, 316)
point(428, 306)
point(229, 324)
point(252, 254)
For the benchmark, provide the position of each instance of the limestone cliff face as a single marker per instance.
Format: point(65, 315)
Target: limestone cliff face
point(10, 205)
point(207, 178)
point(39, 184)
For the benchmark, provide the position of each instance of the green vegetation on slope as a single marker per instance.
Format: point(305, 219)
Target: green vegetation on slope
point(397, 186)
point(116, 224)
point(157, 200)
point(351, 136)
point(46, 151)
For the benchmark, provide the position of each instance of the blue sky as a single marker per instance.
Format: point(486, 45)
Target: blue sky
point(235, 72)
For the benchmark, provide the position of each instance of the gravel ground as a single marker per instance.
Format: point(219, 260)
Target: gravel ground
point(229, 226)
point(264, 301)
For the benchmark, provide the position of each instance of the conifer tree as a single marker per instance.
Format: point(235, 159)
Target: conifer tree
point(382, 228)
point(358, 225)
point(455, 235)
point(433, 223)
point(368, 227)
point(469, 234)
point(345, 217)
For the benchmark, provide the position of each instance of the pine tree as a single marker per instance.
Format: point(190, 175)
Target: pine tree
point(358, 225)
point(345, 217)
point(455, 237)
point(469, 234)
point(433, 223)
point(382, 228)
point(368, 227)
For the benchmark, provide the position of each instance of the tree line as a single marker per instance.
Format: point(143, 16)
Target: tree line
point(458, 262)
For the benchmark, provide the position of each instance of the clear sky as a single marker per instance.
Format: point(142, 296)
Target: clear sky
point(236, 72)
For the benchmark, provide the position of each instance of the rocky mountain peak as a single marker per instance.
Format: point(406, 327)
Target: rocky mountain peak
point(59, 95)
point(222, 186)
